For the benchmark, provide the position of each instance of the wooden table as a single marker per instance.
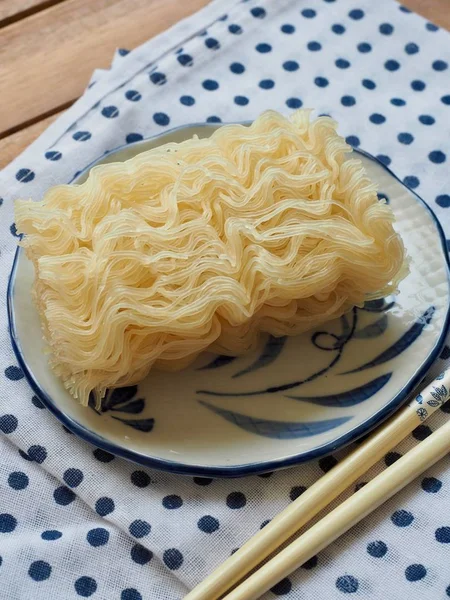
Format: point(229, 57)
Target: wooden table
point(49, 48)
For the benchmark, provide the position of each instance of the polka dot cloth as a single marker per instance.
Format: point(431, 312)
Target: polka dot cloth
point(76, 522)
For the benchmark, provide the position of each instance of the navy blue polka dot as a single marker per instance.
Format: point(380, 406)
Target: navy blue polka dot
point(210, 85)
point(25, 456)
point(53, 155)
point(342, 63)
point(264, 523)
point(82, 136)
point(172, 502)
point(202, 481)
point(161, 118)
point(51, 535)
point(417, 85)
point(25, 175)
point(158, 78)
point(392, 65)
point(73, 477)
point(173, 559)
point(356, 14)
point(214, 119)
point(282, 588)
point(236, 500)
point(431, 27)
point(391, 458)
point(347, 584)
point(348, 101)
point(263, 48)
point(140, 479)
point(443, 200)
point(130, 594)
point(337, 28)
point(14, 373)
point(427, 120)
point(18, 480)
point(133, 95)
point(411, 181)
point(442, 535)
point(212, 44)
point(386, 28)
point(7, 523)
point(63, 495)
point(321, 82)
point(139, 528)
point(377, 549)
point(288, 29)
point(398, 101)
point(187, 100)
point(404, 9)
point(294, 103)
point(99, 454)
point(446, 100)
point(369, 84)
point(402, 518)
point(364, 47)
point(39, 570)
point(415, 572)
point(258, 12)
point(97, 537)
point(327, 463)
point(437, 157)
point(235, 29)
point(353, 140)
point(110, 112)
point(85, 586)
point(185, 60)
point(383, 158)
point(440, 65)
point(421, 432)
point(130, 139)
point(266, 84)
point(237, 68)
point(314, 46)
point(296, 492)
point(141, 555)
point(411, 48)
point(382, 196)
point(308, 13)
point(405, 138)
point(241, 100)
point(37, 453)
point(377, 119)
point(290, 65)
point(104, 506)
point(208, 524)
point(123, 51)
point(8, 423)
point(311, 563)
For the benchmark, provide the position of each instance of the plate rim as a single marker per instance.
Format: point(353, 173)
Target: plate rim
point(240, 470)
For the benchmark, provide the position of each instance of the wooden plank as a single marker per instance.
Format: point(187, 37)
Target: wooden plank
point(47, 59)
point(12, 10)
point(14, 144)
point(436, 11)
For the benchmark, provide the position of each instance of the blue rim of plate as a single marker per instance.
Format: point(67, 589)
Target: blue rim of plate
point(246, 468)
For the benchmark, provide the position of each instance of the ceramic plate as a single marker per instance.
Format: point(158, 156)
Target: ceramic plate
point(293, 399)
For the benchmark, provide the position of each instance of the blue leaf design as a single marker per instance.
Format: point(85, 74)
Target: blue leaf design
point(373, 330)
point(145, 425)
point(401, 344)
point(219, 361)
point(119, 396)
point(433, 403)
point(281, 430)
point(271, 351)
point(378, 306)
point(350, 398)
point(134, 407)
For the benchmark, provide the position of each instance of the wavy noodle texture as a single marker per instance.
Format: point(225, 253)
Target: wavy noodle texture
point(205, 244)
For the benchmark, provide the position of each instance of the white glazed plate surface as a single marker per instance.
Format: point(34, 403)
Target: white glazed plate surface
point(290, 401)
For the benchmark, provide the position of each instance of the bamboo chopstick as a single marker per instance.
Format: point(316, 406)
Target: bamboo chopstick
point(324, 491)
point(347, 514)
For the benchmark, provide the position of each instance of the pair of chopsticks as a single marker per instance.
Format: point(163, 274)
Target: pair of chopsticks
point(324, 491)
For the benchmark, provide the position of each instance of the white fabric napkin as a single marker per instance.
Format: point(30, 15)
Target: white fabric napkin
point(77, 522)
